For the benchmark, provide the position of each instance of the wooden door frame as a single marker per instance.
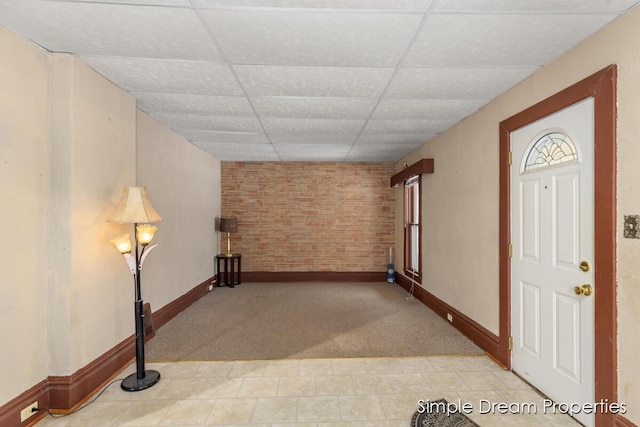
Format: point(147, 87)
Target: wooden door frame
point(602, 87)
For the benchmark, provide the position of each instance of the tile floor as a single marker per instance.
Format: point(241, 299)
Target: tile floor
point(376, 392)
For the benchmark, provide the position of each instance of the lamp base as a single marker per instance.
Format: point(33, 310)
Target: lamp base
point(131, 383)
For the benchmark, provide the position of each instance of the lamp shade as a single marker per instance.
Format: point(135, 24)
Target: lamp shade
point(122, 243)
point(145, 232)
point(134, 207)
point(228, 225)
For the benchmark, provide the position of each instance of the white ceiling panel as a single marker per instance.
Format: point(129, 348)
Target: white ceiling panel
point(209, 122)
point(491, 40)
point(194, 104)
point(543, 6)
point(454, 83)
point(412, 5)
point(321, 80)
point(378, 153)
point(164, 76)
point(111, 29)
point(311, 152)
point(302, 107)
point(307, 138)
point(301, 38)
point(240, 152)
point(404, 139)
point(260, 80)
point(419, 126)
point(145, 2)
point(203, 136)
point(312, 126)
point(426, 108)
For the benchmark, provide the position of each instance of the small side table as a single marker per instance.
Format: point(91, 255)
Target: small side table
point(229, 270)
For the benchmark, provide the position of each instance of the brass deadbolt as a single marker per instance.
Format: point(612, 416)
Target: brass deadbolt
point(584, 266)
point(585, 290)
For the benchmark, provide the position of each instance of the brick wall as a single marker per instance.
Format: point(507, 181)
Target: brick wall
point(308, 216)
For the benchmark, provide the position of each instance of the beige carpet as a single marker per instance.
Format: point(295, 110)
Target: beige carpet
point(306, 320)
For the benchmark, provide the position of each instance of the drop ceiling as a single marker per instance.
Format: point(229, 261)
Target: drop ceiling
point(311, 80)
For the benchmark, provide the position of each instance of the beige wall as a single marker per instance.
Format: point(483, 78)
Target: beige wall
point(184, 186)
point(310, 216)
point(67, 148)
point(24, 95)
point(465, 186)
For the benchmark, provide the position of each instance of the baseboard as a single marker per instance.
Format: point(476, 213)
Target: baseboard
point(620, 421)
point(313, 276)
point(178, 305)
point(10, 412)
point(63, 394)
point(69, 391)
point(481, 336)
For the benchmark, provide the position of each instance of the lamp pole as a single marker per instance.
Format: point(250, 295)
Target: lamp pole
point(142, 379)
point(135, 208)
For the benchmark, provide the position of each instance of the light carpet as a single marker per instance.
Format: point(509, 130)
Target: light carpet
point(306, 320)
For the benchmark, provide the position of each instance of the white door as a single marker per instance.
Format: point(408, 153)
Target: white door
point(552, 233)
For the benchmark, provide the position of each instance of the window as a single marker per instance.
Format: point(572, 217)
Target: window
point(412, 228)
point(550, 149)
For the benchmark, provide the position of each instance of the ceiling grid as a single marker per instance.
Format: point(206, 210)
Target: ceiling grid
point(311, 80)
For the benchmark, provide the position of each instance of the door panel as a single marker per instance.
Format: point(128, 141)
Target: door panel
point(552, 231)
point(531, 319)
point(530, 220)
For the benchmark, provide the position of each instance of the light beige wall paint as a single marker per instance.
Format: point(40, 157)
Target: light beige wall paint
point(103, 122)
point(183, 183)
point(23, 187)
point(67, 148)
point(466, 161)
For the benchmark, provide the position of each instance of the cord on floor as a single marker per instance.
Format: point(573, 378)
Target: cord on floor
point(81, 407)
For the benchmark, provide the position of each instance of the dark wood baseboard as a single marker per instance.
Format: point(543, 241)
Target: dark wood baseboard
point(10, 412)
point(62, 394)
point(481, 336)
point(313, 276)
point(176, 306)
point(621, 421)
point(69, 391)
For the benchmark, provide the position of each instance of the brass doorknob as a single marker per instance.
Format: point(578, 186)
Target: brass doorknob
point(585, 290)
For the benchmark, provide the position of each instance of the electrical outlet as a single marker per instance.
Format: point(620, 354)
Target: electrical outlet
point(28, 411)
point(449, 317)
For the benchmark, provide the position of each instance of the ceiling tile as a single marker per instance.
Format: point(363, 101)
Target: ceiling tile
point(311, 152)
point(546, 6)
point(302, 38)
point(145, 2)
point(202, 136)
point(260, 80)
point(209, 122)
point(492, 40)
point(157, 75)
point(455, 83)
point(302, 107)
point(239, 152)
point(111, 29)
point(404, 139)
point(412, 5)
point(377, 153)
point(339, 139)
point(193, 104)
point(313, 126)
point(426, 108)
point(419, 126)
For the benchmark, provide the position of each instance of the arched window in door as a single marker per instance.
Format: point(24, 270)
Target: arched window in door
point(550, 149)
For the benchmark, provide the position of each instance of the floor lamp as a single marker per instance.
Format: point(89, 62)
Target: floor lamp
point(135, 208)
